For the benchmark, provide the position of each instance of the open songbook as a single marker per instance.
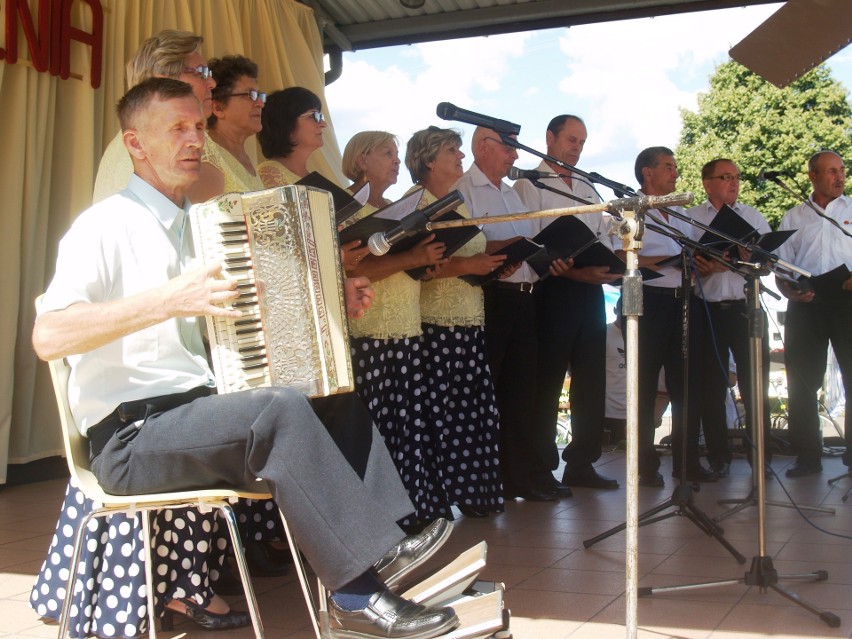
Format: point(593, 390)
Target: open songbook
point(828, 286)
point(520, 250)
point(728, 222)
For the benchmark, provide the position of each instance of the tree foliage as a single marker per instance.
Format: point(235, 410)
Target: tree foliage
point(757, 125)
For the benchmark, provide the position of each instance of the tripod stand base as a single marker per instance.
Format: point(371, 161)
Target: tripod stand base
point(751, 500)
point(682, 500)
point(762, 574)
point(834, 480)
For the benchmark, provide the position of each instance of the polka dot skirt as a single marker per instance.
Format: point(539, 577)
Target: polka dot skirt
point(461, 410)
point(110, 595)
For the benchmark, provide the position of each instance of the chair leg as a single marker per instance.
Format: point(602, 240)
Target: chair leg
point(318, 620)
point(72, 575)
point(242, 566)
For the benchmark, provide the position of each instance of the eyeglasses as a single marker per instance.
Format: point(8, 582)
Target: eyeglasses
point(318, 117)
point(253, 95)
point(500, 142)
point(727, 177)
point(203, 71)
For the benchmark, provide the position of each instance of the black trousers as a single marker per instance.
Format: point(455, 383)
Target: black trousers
point(510, 341)
point(729, 333)
point(571, 328)
point(808, 330)
point(660, 332)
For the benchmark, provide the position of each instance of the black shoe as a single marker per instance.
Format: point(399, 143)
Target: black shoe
point(700, 474)
point(391, 617)
point(412, 551)
point(652, 481)
point(557, 488)
point(588, 477)
point(536, 494)
point(723, 469)
point(264, 560)
point(802, 469)
point(472, 511)
point(205, 619)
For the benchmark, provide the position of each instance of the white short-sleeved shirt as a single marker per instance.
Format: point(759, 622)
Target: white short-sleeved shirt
point(727, 285)
point(817, 245)
point(126, 244)
point(484, 199)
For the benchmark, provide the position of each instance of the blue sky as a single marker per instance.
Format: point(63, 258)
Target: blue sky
point(626, 79)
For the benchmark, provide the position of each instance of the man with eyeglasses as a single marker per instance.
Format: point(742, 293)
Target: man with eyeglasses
point(724, 295)
point(510, 337)
point(169, 54)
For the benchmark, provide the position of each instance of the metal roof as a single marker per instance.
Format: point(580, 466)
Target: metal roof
point(350, 25)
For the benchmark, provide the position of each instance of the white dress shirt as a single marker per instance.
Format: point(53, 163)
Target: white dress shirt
point(726, 285)
point(129, 243)
point(484, 199)
point(818, 246)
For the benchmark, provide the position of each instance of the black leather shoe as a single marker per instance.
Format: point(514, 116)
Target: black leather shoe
point(536, 494)
point(412, 551)
point(802, 469)
point(723, 469)
point(392, 617)
point(588, 477)
point(204, 618)
point(652, 481)
point(557, 488)
point(700, 474)
point(264, 560)
point(472, 511)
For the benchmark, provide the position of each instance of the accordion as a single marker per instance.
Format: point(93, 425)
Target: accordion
point(281, 247)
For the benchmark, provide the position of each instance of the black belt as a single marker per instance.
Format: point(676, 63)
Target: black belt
point(668, 292)
point(136, 411)
point(521, 287)
point(727, 304)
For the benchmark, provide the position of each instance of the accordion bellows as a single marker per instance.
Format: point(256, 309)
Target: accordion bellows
point(281, 246)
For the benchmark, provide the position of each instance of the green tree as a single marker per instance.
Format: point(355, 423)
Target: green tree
point(754, 123)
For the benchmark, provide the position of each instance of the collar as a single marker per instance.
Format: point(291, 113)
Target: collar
point(478, 178)
point(160, 206)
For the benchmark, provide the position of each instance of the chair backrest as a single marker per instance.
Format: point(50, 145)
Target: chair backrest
point(76, 446)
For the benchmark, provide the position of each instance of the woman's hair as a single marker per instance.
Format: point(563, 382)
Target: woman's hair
point(164, 54)
point(363, 142)
point(424, 146)
point(226, 71)
point(280, 117)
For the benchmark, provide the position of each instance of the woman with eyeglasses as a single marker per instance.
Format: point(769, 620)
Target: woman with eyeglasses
point(460, 405)
point(387, 341)
point(237, 105)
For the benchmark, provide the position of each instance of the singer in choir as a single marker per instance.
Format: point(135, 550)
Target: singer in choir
point(660, 330)
point(125, 307)
point(460, 405)
point(819, 317)
point(293, 126)
point(387, 342)
point(193, 545)
point(571, 315)
point(510, 339)
point(723, 292)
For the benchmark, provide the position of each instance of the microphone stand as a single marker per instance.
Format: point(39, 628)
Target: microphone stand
point(762, 572)
point(682, 496)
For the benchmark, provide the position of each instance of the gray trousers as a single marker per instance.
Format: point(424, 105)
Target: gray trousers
point(342, 523)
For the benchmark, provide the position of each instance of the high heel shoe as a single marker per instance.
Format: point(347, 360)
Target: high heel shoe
point(265, 560)
point(472, 511)
point(204, 618)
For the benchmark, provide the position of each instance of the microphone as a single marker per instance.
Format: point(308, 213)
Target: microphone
point(644, 202)
point(447, 111)
point(617, 187)
point(413, 223)
point(515, 173)
point(772, 176)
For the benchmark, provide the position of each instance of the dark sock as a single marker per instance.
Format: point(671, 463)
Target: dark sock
point(356, 594)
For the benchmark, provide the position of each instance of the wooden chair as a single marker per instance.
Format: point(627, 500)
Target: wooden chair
point(77, 453)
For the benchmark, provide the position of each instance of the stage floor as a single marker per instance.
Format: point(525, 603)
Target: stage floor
point(555, 587)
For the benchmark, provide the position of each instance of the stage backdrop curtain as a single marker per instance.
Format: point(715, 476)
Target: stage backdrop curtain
point(53, 134)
